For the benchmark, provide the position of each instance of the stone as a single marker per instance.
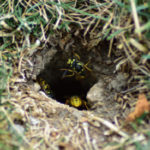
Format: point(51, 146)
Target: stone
point(96, 92)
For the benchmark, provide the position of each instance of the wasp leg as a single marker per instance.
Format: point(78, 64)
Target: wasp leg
point(67, 102)
point(79, 77)
point(65, 73)
point(86, 66)
point(76, 55)
point(85, 104)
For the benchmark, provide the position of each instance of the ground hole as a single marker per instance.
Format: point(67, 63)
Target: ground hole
point(64, 88)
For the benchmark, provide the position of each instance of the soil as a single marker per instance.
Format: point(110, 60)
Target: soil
point(60, 125)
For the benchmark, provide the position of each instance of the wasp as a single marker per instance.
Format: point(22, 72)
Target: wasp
point(76, 68)
point(45, 87)
point(77, 102)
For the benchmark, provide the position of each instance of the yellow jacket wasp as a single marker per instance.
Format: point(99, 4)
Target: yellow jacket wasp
point(76, 68)
point(45, 87)
point(77, 102)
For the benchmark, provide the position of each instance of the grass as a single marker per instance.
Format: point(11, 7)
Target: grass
point(27, 25)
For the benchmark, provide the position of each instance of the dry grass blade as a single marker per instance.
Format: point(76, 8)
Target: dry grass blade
point(135, 16)
point(32, 28)
point(111, 126)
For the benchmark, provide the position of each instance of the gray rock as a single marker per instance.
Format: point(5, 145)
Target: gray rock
point(119, 83)
point(96, 92)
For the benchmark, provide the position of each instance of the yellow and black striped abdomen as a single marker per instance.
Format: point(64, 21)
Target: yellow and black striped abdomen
point(45, 87)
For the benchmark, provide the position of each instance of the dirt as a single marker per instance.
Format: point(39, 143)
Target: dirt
point(59, 124)
point(102, 84)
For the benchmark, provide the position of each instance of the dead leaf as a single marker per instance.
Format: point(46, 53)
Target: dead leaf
point(141, 107)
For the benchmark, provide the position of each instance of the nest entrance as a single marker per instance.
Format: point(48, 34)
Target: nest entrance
point(64, 88)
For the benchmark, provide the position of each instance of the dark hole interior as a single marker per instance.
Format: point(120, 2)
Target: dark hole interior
point(64, 88)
